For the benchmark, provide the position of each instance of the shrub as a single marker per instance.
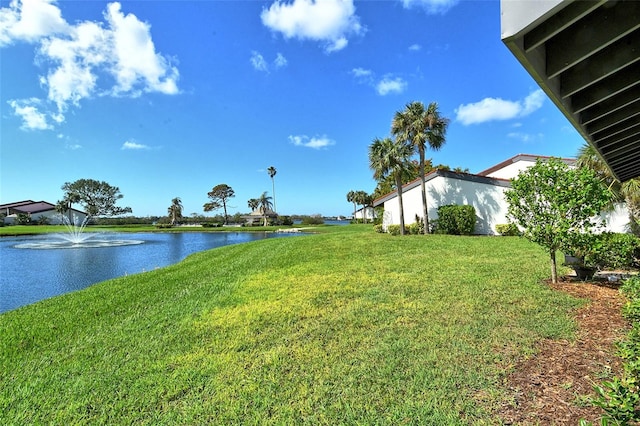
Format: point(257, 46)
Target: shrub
point(620, 397)
point(395, 229)
point(456, 220)
point(507, 229)
point(378, 228)
point(312, 220)
point(210, 224)
point(606, 250)
point(163, 225)
point(416, 227)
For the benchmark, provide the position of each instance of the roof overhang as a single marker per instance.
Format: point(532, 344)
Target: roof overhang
point(585, 55)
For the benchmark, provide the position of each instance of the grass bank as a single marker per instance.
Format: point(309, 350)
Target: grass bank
point(346, 327)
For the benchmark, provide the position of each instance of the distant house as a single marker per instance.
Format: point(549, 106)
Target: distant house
point(36, 210)
point(484, 191)
point(257, 217)
point(366, 213)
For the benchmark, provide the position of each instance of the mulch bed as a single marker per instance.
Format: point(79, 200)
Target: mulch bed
point(552, 387)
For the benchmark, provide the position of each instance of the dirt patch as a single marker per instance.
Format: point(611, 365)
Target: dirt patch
point(552, 387)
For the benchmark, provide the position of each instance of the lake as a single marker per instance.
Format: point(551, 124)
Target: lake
point(29, 275)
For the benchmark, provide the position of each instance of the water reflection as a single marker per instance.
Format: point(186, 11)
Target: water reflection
point(27, 276)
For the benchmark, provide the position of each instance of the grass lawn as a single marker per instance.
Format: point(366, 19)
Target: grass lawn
point(343, 327)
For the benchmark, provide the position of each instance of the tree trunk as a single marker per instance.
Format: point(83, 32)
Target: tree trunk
point(399, 189)
point(423, 187)
point(554, 269)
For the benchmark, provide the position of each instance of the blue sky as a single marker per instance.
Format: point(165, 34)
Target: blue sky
point(167, 99)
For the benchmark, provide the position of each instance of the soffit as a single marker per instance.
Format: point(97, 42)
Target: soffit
point(585, 55)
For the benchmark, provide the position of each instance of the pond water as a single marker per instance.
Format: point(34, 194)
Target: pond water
point(29, 275)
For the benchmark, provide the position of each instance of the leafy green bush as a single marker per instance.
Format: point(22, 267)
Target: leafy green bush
point(606, 250)
point(416, 227)
point(210, 225)
point(620, 397)
point(507, 229)
point(378, 228)
point(394, 229)
point(456, 220)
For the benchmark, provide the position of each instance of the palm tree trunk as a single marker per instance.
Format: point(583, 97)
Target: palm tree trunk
point(423, 188)
point(399, 190)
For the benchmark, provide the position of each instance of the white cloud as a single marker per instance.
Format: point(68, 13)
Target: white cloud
point(134, 145)
point(86, 58)
point(30, 20)
point(490, 109)
point(136, 61)
point(415, 47)
point(431, 6)
point(326, 21)
point(361, 72)
point(258, 62)
point(391, 85)
point(314, 142)
point(32, 118)
point(525, 137)
point(280, 61)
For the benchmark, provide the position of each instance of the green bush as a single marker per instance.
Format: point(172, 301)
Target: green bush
point(620, 397)
point(456, 220)
point(416, 227)
point(608, 250)
point(507, 229)
point(395, 229)
point(210, 225)
point(378, 228)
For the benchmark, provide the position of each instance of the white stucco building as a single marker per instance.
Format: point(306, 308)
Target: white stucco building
point(484, 191)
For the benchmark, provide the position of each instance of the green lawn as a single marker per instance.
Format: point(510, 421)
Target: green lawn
point(344, 327)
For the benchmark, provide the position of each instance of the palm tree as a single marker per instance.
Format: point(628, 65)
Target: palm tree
point(351, 198)
point(175, 210)
point(419, 126)
point(388, 157)
point(253, 204)
point(265, 205)
point(628, 191)
point(364, 199)
point(272, 173)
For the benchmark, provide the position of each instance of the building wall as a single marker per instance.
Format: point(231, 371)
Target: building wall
point(487, 199)
point(512, 170)
point(368, 213)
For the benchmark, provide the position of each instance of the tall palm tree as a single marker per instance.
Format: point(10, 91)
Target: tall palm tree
point(265, 204)
point(272, 174)
point(388, 157)
point(175, 210)
point(420, 126)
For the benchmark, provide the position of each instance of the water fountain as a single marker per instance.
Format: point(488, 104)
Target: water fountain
point(76, 237)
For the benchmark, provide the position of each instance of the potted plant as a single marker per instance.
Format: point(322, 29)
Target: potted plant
point(580, 253)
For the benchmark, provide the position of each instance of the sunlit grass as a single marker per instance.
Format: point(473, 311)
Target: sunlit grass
point(349, 327)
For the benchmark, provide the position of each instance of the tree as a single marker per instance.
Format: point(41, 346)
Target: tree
point(628, 191)
point(253, 204)
point(272, 174)
point(553, 202)
point(97, 198)
point(364, 199)
point(351, 197)
point(421, 127)
point(219, 196)
point(388, 157)
point(175, 210)
point(265, 205)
